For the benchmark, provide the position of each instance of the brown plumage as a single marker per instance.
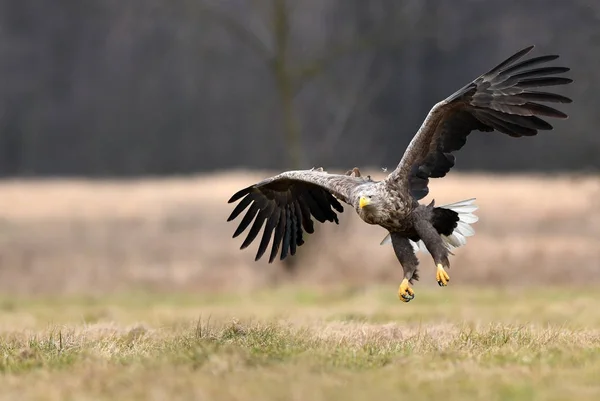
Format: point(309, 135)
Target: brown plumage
point(503, 99)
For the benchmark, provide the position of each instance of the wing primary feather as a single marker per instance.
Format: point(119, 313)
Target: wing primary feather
point(539, 72)
point(544, 97)
point(315, 209)
point(307, 222)
point(334, 202)
point(254, 208)
point(258, 223)
point(240, 193)
point(532, 122)
point(505, 126)
point(517, 79)
point(286, 235)
point(506, 108)
point(510, 60)
point(543, 110)
point(268, 232)
point(547, 81)
point(278, 236)
point(521, 99)
point(322, 201)
point(529, 63)
point(299, 218)
point(293, 228)
point(239, 208)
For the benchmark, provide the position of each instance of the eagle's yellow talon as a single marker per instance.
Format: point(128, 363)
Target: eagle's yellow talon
point(405, 293)
point(441, 276)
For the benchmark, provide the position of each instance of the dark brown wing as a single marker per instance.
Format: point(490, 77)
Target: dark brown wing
point(287, 202)
point(502, 99)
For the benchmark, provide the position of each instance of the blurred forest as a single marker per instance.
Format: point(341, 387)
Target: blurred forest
point(127, 88)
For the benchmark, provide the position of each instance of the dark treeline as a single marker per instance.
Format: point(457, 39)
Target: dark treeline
point(116, 88)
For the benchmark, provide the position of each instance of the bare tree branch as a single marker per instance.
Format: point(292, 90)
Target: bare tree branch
point(241, 32)
point(360, 96)
point(315, 67)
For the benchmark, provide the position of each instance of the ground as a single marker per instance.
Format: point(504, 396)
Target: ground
point(296, 344)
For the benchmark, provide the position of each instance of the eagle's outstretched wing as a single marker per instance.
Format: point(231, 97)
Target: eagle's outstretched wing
point(502, 99)
point(286, 202)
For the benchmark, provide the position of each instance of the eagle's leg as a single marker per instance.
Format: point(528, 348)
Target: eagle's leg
point(407, 258)
point(441, 275)
point(435, 245)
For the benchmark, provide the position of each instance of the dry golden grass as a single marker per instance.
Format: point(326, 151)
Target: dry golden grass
point(68, 236)
point(297, 344)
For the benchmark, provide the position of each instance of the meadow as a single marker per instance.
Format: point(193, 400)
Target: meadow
point(135, 289)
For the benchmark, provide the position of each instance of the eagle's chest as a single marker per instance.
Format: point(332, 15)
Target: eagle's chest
point(369, 217)
point(398, 220)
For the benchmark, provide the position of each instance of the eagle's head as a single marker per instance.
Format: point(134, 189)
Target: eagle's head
point(369, 204)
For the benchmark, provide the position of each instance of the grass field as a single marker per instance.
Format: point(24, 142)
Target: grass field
point(135, 290)
point(305, 344)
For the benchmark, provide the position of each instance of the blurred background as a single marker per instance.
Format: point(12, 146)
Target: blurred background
point(126, 126)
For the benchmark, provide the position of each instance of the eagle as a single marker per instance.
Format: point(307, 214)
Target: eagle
point(504, 99)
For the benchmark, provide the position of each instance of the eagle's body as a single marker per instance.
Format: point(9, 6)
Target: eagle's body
point(391, 212)
point(501, 99)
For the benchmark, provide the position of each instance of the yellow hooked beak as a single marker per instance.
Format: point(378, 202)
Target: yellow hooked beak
point(363, 202)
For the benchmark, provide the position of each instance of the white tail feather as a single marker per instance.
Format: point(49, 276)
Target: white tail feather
point(387, 240)
point(458, 238)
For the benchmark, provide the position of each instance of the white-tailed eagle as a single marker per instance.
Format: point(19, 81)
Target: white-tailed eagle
point(505, 99)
